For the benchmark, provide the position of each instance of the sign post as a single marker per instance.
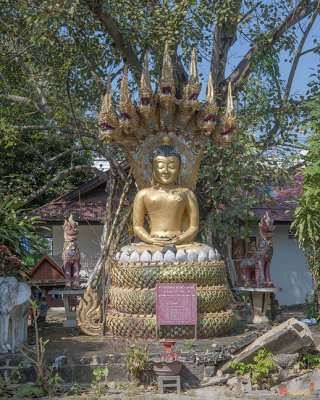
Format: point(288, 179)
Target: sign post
point(176, 304)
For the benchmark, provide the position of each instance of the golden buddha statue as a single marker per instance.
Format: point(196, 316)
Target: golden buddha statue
point(172, 209)
point(164, 141)
point(167, 204)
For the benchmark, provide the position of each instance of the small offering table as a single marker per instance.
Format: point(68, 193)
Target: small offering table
point(68, 295)
point(259, 299)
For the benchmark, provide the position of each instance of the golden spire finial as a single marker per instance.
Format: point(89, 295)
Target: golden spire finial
point(167, 72)
point(107, 102)
point(145, 78)
point(229, 105)
point(107, 118)
point(211, 98)
point(166, 139)
point(124, 88)
point(129, 118)
point(191, 93)
point(71, 218)
point(228, 121)
point(193, 75)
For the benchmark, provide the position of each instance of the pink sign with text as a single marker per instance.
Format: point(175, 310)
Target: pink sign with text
point(176, 304)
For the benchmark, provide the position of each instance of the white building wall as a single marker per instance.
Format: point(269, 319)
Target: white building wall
point(289, 269)
point(88, 242)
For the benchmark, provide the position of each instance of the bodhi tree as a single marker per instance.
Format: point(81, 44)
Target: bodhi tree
point(55, 56)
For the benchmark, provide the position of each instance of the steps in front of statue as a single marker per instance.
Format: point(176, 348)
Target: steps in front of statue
point(79, 367)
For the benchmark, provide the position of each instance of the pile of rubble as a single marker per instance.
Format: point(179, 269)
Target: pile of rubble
point(288, 343)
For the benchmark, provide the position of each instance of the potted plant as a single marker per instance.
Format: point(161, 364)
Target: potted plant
point(168, 363)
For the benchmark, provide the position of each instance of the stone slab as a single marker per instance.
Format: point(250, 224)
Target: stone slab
point(286, 360)
point(216, 380)
point(70, 323)
point(243, 342)
point(289, 337)
point(74, 292)
point(303, 385)
point(258, 289)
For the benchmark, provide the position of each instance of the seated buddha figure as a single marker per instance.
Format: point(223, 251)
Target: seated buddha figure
point(172, 210)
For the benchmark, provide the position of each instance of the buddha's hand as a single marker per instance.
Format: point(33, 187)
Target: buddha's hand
point(161, 241)
point(174, 241)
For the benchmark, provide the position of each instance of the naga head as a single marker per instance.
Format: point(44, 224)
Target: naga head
point(224, 133)
point(207, 118)
point(167, 88)
point(128, 114)
point(70, 228)
point(266, 226)
point(108, 122)
point(192, 89)
point(147, 106)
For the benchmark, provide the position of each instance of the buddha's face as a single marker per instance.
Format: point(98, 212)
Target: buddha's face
point(166, 169)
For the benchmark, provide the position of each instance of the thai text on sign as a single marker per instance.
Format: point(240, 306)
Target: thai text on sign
point(176, 304)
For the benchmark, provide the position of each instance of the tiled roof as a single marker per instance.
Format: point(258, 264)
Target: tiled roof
point(284, 201)
point(94, 211)
point(56, 211)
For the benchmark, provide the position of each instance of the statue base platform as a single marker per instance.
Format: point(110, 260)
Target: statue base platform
point(259, 298)
point(69, 306)
point(133, 298)
point(209, 325)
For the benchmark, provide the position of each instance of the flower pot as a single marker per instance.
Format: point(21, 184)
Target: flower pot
point(167, 368)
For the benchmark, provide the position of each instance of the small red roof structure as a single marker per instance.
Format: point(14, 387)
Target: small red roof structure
point(47, 273)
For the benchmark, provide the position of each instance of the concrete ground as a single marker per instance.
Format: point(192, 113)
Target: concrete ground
point(72, 342)
point(212, 393)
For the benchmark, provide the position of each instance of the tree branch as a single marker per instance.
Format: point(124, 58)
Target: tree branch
point(301, 10)
point(112, 29)
point(244, 17)
point(225, 35)
point(310, 50)
point(22, 101)
point(34, 127)
point(97, 78)
point(297, 57)
point(100, 148)
point(62, 175)
point(12, 57)
point(20, 62)
point(48, 160)
point(26, 102)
